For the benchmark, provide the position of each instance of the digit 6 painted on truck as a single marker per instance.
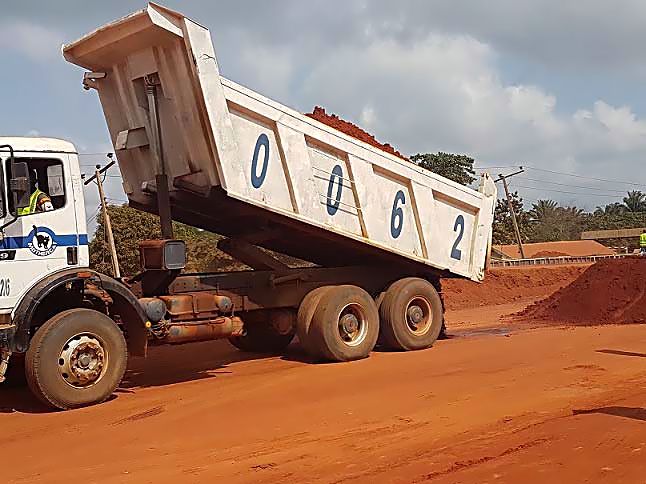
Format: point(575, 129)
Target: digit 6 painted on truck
point(459, 224)
point(256, 179)
point(397, 216)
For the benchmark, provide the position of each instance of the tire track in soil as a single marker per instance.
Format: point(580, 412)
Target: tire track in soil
point(466, 464)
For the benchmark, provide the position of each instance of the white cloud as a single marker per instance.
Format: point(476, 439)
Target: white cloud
point(446, 92)
point(272, 68)
point(425, 75)
point(368, 118)
point(32, 40)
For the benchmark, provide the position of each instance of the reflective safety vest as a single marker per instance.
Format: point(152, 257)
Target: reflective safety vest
point(642, 240)
point(33, 201)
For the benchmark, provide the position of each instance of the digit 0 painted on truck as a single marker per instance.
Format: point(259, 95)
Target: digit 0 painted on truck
point(220, 135)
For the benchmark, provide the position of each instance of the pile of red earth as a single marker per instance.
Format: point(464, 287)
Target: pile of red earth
point(608, 292)
point(506, 285)
point(350, 129)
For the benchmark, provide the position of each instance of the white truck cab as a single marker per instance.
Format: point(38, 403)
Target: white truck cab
point(62, 317)
point(35, 245)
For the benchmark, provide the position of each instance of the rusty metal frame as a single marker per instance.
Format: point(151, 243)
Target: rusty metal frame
point(252, 290)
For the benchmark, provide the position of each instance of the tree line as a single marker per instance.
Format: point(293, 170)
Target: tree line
point(545, 220)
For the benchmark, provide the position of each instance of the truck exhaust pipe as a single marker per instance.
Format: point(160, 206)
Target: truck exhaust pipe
point(189, 332)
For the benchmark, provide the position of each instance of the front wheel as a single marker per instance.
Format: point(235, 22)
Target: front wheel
point(77, 358)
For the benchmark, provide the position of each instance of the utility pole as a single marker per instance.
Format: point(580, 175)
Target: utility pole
point(503, 179)
point(107, 225)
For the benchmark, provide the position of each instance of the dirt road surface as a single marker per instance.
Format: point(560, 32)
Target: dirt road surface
point(496, 403)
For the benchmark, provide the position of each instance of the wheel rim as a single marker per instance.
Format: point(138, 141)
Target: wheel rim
point(418, 316)
point(352, 324)
point(83, 361)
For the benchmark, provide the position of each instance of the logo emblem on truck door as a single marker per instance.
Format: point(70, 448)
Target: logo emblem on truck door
point(41, 241)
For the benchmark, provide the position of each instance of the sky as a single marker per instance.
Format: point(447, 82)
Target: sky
point(553, 85)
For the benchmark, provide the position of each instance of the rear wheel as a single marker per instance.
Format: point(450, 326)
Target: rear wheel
point(266, 331)
point(76, 358)
point(345, 324)
point(410, 315)
point(306, 311)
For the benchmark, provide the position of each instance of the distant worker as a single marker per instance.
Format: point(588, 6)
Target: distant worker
point(39, 201)
point(642, 243)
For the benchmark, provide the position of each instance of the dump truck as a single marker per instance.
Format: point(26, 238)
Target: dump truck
point(375, 232)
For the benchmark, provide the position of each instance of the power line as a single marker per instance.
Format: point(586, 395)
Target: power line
point(533, 179)
point(573, 186)
point(585, 177)
point(95, 212)
point(493, 167)
point(575, 175)
point(562, 191)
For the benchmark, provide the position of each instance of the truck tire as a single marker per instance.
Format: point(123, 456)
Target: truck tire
point(411, 315)
point(304, 319)
point(345, 325)
point(77, 358)
point(266, 331)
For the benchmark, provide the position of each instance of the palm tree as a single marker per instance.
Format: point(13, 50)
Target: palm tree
point(571, 211)
point(635, 201)
point(543, 209)
point(614, 208)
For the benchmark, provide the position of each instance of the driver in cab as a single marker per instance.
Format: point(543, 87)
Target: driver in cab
point(39, 201)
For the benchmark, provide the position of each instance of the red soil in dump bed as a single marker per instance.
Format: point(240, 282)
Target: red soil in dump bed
point(505, 285)
point(608, 292)
point(350, 129)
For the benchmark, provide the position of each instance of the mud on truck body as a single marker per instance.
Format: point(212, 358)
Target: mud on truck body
point(192, 146)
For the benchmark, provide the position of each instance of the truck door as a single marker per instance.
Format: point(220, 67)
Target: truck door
point(41, 239)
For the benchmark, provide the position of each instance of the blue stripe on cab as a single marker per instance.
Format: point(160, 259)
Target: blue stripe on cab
point(21, 242)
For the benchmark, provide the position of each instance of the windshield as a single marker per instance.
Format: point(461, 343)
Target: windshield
point(47, 188)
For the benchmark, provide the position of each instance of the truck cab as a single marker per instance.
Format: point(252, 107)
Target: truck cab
point(36, 242)
point(64, 319)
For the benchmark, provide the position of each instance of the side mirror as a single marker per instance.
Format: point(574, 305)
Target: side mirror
point(19, 185)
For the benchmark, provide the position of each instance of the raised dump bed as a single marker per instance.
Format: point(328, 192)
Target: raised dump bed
point(243, 165)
